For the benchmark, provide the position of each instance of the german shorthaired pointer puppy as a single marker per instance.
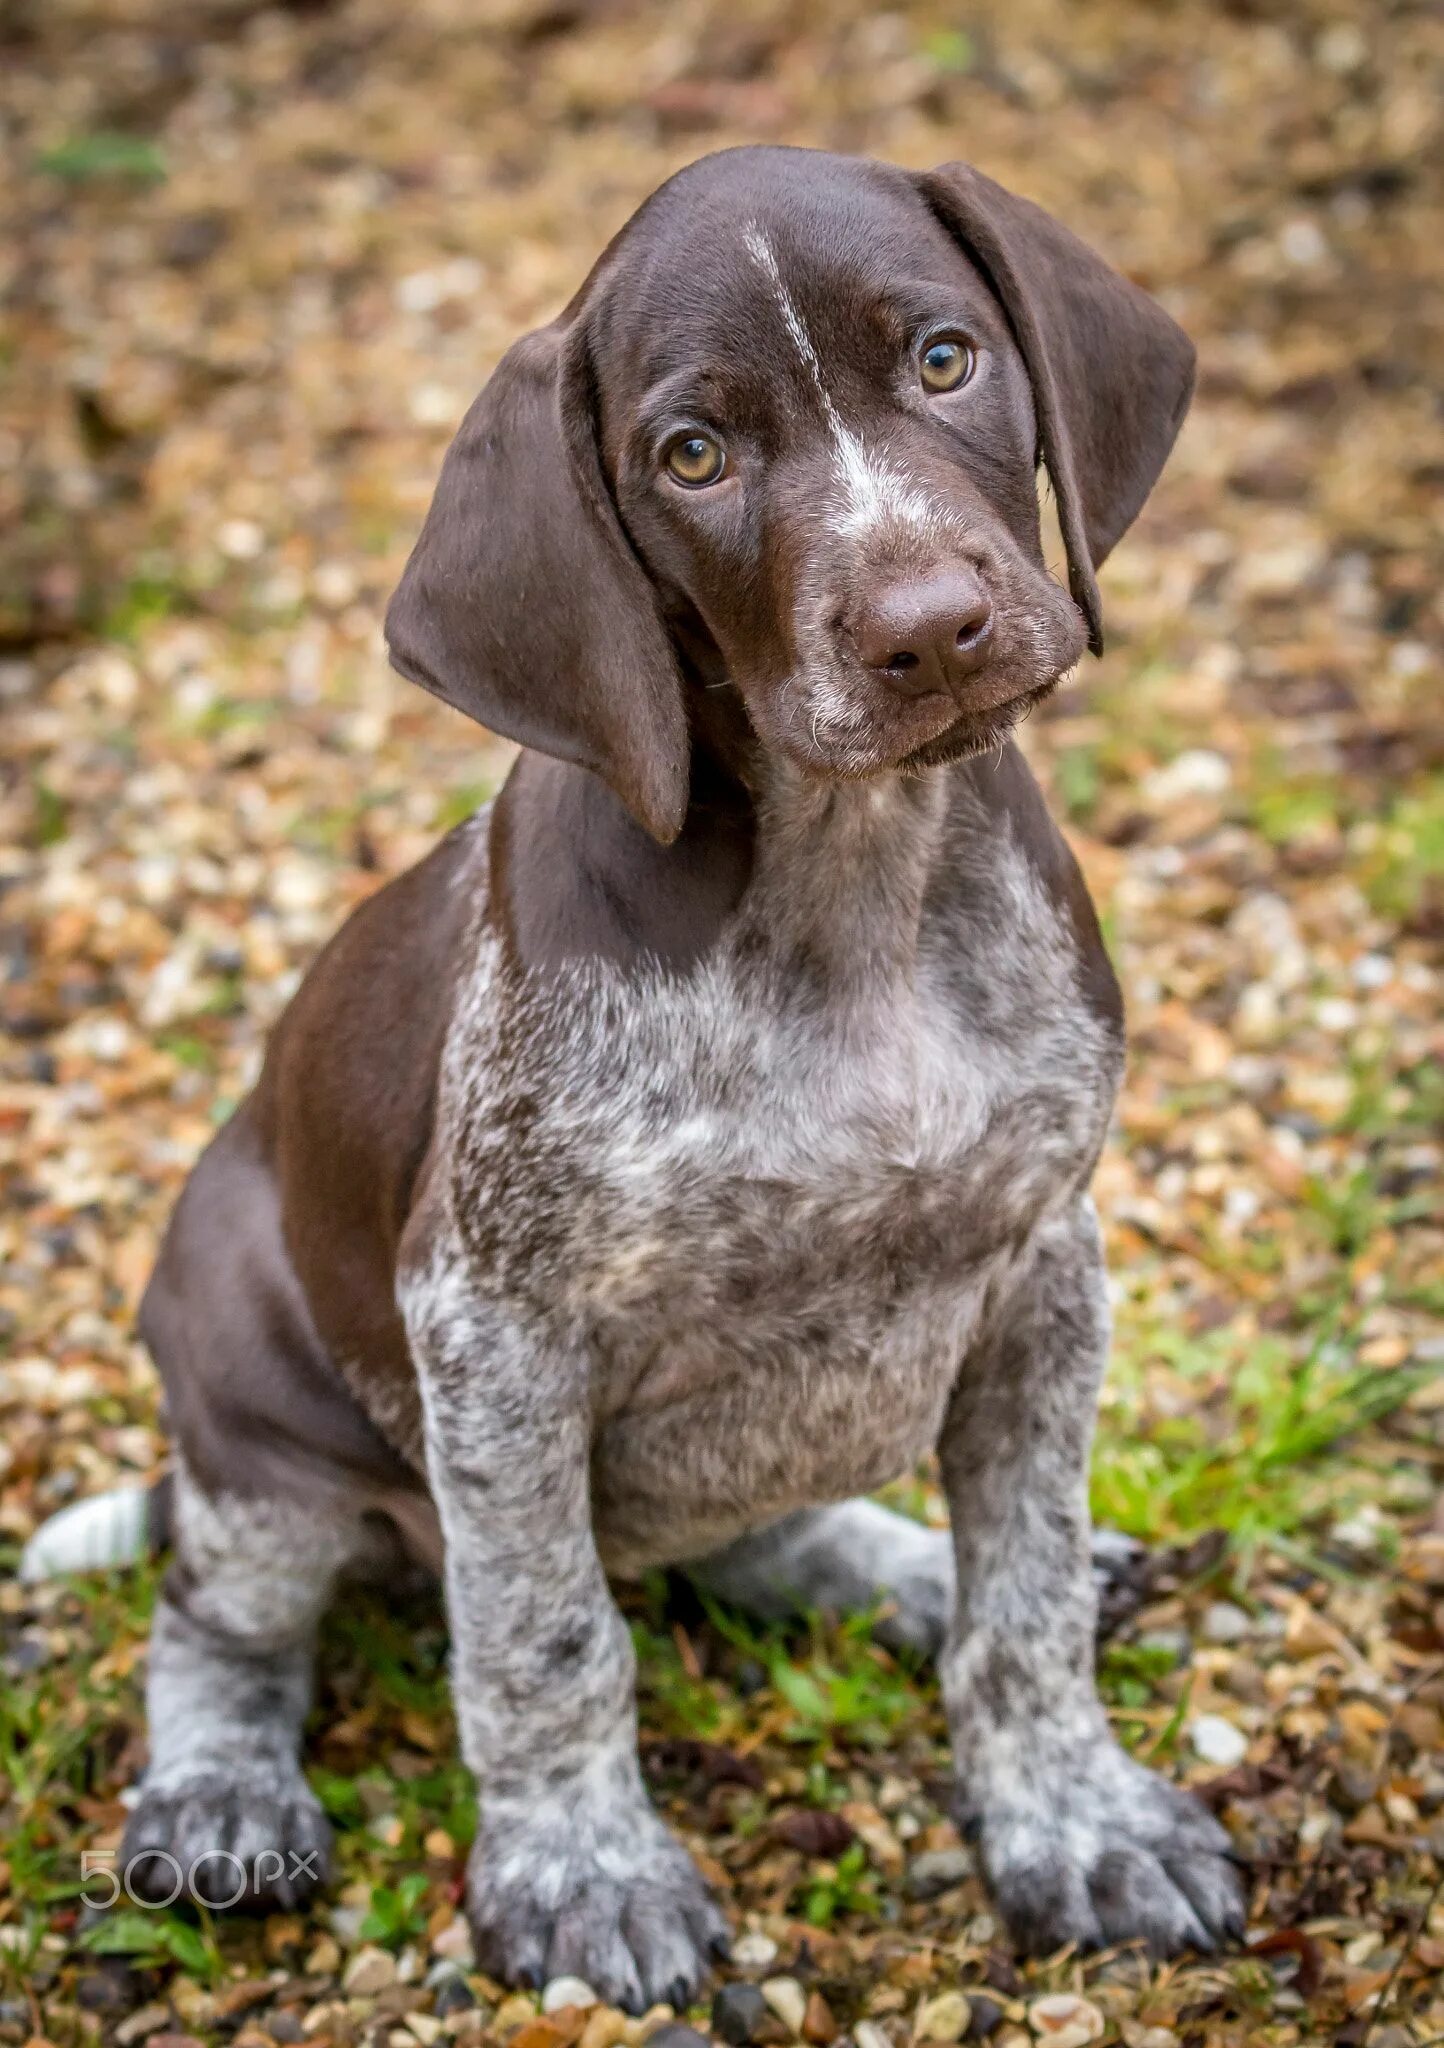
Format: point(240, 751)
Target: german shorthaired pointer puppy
point(703, 1132)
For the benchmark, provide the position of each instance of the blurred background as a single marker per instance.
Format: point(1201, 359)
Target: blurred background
point(256, 261)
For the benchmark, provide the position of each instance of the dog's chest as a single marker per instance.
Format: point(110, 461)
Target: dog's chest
point(772, 1215)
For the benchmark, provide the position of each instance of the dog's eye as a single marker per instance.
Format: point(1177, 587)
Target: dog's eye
point(946, 364)
point(695, 460)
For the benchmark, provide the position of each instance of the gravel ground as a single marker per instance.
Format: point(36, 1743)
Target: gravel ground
point(259, 260)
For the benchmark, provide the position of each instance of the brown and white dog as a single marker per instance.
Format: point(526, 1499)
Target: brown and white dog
point(703, 1132)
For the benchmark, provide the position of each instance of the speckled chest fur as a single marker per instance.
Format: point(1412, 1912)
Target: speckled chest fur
point(769, 1198)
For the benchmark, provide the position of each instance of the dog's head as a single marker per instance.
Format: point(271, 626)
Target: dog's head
point(785, 439)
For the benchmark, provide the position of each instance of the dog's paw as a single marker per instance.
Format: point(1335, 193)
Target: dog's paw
point(224, 1845)
point(610, 1898)
point(1104, 1851)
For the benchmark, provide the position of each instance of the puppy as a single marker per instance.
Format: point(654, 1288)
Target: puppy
point(703, 1132)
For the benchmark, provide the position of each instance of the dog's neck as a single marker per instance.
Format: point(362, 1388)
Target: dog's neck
point(841, 870)
point(831, 876)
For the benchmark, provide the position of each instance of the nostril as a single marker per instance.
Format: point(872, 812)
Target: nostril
point(900, 662)
point(974, 631)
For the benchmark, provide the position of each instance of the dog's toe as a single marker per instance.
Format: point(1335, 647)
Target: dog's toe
point(541, 1909)
point(226, 1846)
point(1104, 1851)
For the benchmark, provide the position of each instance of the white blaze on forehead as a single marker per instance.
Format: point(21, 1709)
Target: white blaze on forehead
point(874, 493)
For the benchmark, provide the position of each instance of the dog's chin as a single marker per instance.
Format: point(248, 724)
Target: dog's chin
point(981, 733)
point(928, 734)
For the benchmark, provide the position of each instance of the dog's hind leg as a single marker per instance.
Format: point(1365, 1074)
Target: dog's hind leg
point(225, 1816)
point(845, 1558)
point(859, 1554)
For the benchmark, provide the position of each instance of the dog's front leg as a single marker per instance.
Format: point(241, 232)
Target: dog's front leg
point(572, 1872)
point(1079, 1842)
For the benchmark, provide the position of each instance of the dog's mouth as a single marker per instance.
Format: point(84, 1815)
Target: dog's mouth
point(956, 732)
point(981, 731)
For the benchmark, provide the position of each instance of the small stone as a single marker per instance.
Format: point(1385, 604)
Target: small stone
point(346, 1922)
point(453, 1943)
point(1223, 1622)
point(868, 2034)
point(425, 2026)
point(241, 539)
point(788, 2000)
point(541, 2033)
point(109, 1989)
point(936, 1871)
point(818, 2025)
point(739, 2012)
point(1196, 772)
point(370, 1970)
point(514, 2012)
point(754, 1951)
point(1065, 2021)
point(567, 1991)
point(453, 1994)
point(324, 1959)
point(141, 2025)
point(605, 2027)
point(1352, 1787)
point(1217, 1741)
point(677, 2034)
point(986, 2014)
point(943, 2018)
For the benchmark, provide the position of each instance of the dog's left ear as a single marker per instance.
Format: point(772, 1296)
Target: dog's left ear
point(1111, 373)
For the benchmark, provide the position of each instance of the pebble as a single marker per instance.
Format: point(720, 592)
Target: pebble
point(1217, 1741)
point(605, 2027)
point(677, 2034)
point(868, 2034)
point(567, 1991)
point(346, 1923)
point(454, 1944)
point(453, 1994)
point(108, 1989)
point(141, 2025)
point(943, 2018)
point(985, 2016)
point(1225, 1623)
point(819, 2026)
point(936, 1871)
point(324, 1958)
point(370, 1970)
point(739, 2012)
point(1195, 772)
point(1065, 2021)
point(754, 1951)
point(788, 2000)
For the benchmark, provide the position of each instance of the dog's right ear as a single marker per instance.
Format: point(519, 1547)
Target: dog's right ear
point(523, 603)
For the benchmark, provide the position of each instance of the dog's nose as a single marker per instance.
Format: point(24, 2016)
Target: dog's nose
point(930, 634)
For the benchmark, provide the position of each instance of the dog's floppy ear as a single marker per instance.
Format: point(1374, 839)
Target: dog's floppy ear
point(1112, 374)
point(523, 603)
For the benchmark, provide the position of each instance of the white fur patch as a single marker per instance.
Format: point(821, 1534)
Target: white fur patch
point(874, 493)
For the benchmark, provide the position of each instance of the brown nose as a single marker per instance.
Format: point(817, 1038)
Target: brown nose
point(927, 635)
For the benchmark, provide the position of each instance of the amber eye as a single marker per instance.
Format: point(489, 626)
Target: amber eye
point(696, 460)
point(946, 364)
